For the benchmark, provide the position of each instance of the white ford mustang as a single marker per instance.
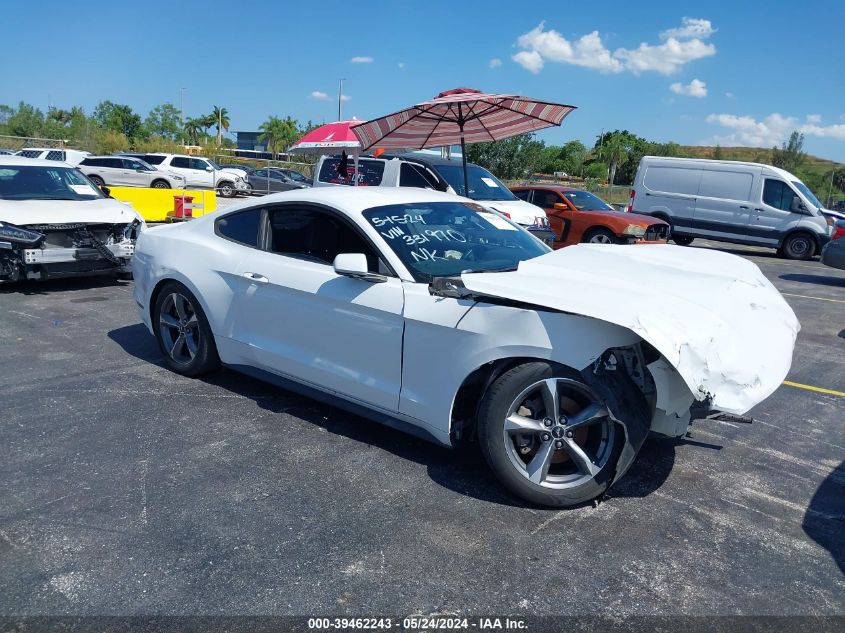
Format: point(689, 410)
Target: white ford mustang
point(424, 311)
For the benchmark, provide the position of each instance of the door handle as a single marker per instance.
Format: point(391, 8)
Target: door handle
point(742, 206)
point(759, 210)
point(259, 279)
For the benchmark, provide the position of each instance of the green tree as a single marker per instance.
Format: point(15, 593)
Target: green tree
point(164, 120)
point(279, 134)
point(221, 121)
point(510, 158)
point(718, 154)
point(27, 120)
point(5, 113)
point(119, 118)
point(194, 128)
point(791, 154)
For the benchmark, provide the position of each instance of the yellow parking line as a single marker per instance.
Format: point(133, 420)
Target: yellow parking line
point(787, 294)
point(831, 392)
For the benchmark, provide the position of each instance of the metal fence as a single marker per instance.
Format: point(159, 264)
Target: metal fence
point(15, 143)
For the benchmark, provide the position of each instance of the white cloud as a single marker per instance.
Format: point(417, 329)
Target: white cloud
point(362, 59)
point(319, 95)
point(680, 46)
point(729, 95)
point(814, 118)
point(401, 64)
point(345, 97)
point(495, 62)
point(531, 61)
point(772, 130)
point(695, 88)
point(690, 28)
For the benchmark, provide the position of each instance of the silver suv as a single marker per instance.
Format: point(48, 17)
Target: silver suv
point(122, 171)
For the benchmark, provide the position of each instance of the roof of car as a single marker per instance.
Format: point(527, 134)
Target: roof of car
point(550, 187)
point(357, 199)
point(15, 161)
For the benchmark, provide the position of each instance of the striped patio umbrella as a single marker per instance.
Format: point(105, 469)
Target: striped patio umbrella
point(461, 115)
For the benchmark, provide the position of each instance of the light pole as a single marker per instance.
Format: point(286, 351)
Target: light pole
point(830, 189)
point(182, 106)
point(340, 101)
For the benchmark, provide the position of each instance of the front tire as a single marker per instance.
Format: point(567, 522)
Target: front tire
point(182, 331)
point(547, 436)
point(227, 189)
point(161, 184)
point(798, 246)
point(601, 236)
point(682, 240)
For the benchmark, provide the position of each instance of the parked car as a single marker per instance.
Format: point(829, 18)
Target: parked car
point(833, 253)
point(731, 201)
point(577, 216)
point(124, 171)
point(6, 152)
point(296, 176)
point(55, 223)
point(69, 156)
point(198, 172)
point(425, 171)
point(272, 180)
point(427, 312)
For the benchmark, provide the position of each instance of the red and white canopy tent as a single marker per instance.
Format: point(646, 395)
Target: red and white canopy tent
point(331, 138)
point(461, 115)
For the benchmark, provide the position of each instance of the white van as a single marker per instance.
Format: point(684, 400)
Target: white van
point(731, 201)
point(70, 156)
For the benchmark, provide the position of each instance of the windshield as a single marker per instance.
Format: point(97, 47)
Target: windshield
point(442, 239)
point(45, 183)
point(482, 184)
point(585, 201)
point(807, 193)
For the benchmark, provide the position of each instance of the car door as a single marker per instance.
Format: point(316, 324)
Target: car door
point(773, 213)
point(134, 173)
point(722, 207)
point(202, 172)
point(559, 219)
point(260, 180)
point(302, 320)
point(182, 166)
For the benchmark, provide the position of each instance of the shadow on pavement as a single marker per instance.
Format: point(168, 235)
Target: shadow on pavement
point(462, 470)
point(69, 284)
point(824, 521)
point(821, 280)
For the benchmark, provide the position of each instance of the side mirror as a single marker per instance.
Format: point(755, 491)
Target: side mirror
point(106, 191)
point(209, 169)
point(355, 265)
point(797, 206)
point(560, 206)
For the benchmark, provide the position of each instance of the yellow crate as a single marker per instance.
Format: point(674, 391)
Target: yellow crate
point(155, 204)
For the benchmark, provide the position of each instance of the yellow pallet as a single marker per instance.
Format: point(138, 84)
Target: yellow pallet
point(155, 204)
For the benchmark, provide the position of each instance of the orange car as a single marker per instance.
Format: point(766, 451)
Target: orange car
point(577, 216)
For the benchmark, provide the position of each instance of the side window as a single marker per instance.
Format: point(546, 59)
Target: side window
point(55, 155)
point(242, 227)
point(546, 199)
point(778, 194)
point(155, 160)
point(371, 172)
point(197, 163)
point(316, 236)
point(131, 164)
point(522, 194)
point(260, 173)
point(412, 176)
point(181, 162)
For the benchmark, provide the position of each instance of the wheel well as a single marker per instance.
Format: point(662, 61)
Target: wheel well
point(792, 232)
point(225, 182)
point(472, 390)
point(154, 296)
point(599, 227)
point(160, 180)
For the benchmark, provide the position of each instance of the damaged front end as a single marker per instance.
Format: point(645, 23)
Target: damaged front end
point(43, 251)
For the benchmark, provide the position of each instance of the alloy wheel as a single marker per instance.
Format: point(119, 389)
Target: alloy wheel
point(179, 328)
point(600, 238)
point(558, 434)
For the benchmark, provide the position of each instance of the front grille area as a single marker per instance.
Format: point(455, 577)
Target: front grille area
point(656, 232)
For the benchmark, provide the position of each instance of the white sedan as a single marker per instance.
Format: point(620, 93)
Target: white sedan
point(424, 311)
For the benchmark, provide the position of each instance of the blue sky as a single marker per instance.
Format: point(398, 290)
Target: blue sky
point(740, 73)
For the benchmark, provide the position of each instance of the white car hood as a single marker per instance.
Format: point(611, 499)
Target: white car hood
point(714, 316)
point(95, 211)
point(520, 211)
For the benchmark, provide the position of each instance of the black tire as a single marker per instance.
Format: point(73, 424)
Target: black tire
point(99, 182)
point(197, 352)
point(798, 246)
point(601, 236)
point(513, 454)
point(682, 240)
point(160, 184)
point(227, 189)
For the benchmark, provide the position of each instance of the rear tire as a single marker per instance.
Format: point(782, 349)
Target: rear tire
point(99, 182)
point(160, 184)
point(552, 458)
point(182, 331)
point(798, 246)
point(682, 240)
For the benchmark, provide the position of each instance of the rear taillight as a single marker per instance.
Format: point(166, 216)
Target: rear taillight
point(838, 231)
point(631, 200)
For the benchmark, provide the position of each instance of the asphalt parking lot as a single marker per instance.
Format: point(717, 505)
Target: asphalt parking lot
point(128, 489)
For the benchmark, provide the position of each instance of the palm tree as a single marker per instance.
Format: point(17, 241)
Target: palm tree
point(615, 151)
point(221, 120)
point(279, 134)
point(193, 127)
